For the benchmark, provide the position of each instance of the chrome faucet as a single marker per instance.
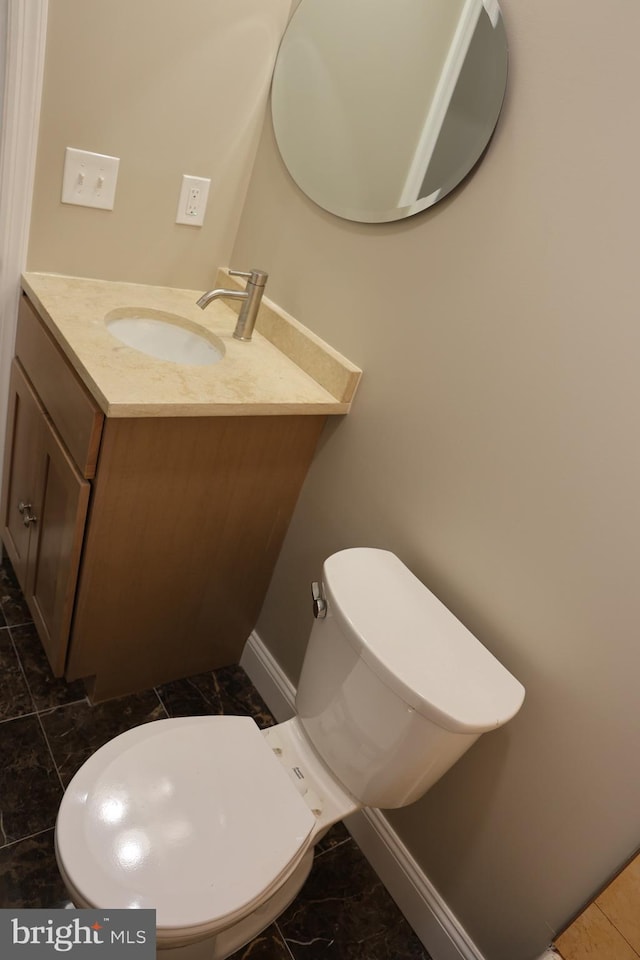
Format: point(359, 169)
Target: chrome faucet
point(252, 296)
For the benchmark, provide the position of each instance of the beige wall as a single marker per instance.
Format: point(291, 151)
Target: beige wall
point(494, 447)
point(170, 88)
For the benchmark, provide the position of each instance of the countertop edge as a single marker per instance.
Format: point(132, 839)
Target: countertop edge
point(123, 411)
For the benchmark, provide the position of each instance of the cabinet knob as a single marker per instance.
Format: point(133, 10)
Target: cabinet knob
point(27, 517)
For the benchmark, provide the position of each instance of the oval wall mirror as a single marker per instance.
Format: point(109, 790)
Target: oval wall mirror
point(381, 107)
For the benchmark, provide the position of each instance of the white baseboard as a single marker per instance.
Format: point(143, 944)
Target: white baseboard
point(436, 926)
point(268, 678)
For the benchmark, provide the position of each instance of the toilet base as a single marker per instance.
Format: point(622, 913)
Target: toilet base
point(221, 945)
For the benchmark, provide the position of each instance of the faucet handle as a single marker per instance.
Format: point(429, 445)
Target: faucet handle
point(257, 277)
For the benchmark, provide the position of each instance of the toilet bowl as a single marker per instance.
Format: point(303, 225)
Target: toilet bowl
point(212, 822)
point(198, 819)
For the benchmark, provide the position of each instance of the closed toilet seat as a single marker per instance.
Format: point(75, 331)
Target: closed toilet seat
point(193, 817)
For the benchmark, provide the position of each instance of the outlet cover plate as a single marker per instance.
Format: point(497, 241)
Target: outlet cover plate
point(192, 202)
point(89, 179)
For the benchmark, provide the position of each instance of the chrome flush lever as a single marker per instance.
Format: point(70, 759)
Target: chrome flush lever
point(319, 602)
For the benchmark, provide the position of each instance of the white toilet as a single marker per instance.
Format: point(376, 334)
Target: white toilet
point(212, 822)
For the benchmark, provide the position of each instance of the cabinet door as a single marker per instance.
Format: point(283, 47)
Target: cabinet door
point(49, 560)
point(20, 472)
point(56, 543)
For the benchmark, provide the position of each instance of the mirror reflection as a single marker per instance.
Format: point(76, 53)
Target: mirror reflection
point(380, 109)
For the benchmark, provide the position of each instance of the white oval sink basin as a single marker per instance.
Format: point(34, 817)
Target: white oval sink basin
point(164, 336)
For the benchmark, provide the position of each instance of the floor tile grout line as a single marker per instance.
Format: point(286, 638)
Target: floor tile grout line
point(47, 710)
point(22, 670)
point(40, 711)
point(22, 623)
point(37, 709)
point(162, 703)
point(50, 707)
point(19, 716)
point(30, 836)
point(283, 938)
point(334, 846)
point(53, 759)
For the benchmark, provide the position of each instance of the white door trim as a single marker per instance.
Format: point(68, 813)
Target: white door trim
point(24, 71)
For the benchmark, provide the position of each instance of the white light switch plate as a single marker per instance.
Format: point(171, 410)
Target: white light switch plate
point(89, 179)
point(192, 202)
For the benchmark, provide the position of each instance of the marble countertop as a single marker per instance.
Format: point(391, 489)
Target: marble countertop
point(285, 369)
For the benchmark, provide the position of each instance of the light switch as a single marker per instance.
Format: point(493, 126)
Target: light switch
point(192, 202)
point(89, 179)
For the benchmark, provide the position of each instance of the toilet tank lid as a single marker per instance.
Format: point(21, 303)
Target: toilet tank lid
point(415, 645)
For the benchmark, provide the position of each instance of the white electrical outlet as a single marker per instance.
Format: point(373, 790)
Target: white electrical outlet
point(89, 179)
point(192, 202)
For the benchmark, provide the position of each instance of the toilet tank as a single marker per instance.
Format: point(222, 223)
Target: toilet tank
point(394, 689)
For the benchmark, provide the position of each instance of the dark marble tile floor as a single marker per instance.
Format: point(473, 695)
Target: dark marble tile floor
point(48, 729)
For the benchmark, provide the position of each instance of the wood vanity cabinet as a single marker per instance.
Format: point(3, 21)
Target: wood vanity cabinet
point(144, 546)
